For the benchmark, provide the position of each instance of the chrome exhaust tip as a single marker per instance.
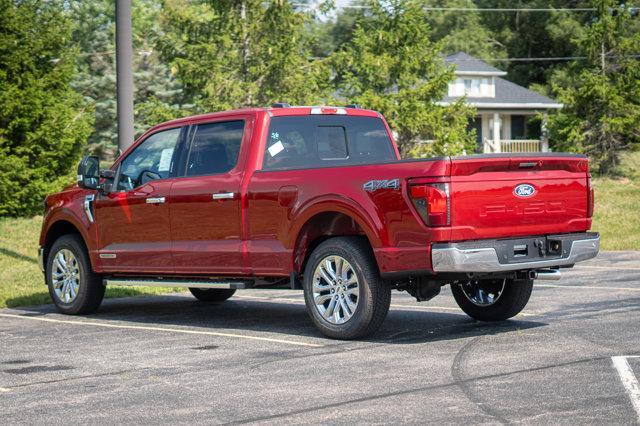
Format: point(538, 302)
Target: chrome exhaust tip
point(545, 274)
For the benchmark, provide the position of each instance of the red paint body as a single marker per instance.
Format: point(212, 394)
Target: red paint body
point(268, 226)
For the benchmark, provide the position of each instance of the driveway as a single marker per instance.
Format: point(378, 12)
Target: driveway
point(570, 357)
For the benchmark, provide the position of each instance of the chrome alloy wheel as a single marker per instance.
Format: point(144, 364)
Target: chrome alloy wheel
point(335, 289)
point(483, 293)
point(65, 275)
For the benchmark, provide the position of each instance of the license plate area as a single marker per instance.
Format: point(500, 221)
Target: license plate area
point(528, 249)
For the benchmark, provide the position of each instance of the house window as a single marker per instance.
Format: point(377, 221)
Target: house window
point(473, 86)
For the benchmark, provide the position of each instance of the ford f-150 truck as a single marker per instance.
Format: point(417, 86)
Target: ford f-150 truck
point(318, 199)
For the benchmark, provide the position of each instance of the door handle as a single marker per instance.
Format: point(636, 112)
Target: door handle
point(224, 196)
point(155, 200)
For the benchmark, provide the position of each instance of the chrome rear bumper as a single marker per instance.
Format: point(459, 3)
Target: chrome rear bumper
point(459, 257)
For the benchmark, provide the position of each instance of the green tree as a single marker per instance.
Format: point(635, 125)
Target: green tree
point(391, 65)
point(158, 94)
point(601, 116)
point(328, 35)
point(237, 53)
point(541, 34)
point(463, 31)
point(44, 123)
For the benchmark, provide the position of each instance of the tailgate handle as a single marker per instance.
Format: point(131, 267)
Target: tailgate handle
point(529, 165)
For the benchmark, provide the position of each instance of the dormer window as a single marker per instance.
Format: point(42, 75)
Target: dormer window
point(472, 87)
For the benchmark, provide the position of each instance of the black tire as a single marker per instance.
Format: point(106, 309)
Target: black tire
point(212, 294)
point(374, 294)
point(90, 288)
point(513, 299)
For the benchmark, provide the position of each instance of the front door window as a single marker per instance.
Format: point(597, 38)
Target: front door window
point(151, 160)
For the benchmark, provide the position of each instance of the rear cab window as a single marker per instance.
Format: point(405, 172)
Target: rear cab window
point(296, 142)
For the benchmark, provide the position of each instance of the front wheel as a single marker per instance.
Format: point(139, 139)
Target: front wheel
point(73, 286)
point(492, 300)
point(345, 296)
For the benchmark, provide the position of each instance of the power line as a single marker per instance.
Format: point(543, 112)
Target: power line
point(478, 9)
point(522, 59)
point(542, 59)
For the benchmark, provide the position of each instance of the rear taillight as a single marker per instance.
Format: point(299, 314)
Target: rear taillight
point(590, 197)
point(432, 202)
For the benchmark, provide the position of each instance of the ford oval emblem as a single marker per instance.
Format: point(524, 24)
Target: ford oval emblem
point(524, 190)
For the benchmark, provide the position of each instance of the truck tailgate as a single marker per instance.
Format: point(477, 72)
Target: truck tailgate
point(500, 196)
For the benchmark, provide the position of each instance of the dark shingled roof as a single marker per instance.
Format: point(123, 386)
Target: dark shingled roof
point(467, 63)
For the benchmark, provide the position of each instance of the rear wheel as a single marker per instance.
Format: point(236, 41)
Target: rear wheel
point(212, 294)
point(343, 291)
point(73, 286)
point(492, 300)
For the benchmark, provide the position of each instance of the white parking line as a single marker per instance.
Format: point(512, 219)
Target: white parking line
point(629, 380)
point(165, 329)
point(592, 287)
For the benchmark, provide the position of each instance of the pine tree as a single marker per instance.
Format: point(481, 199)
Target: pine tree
point(158, 95)
point(44, 123)
point(391, 65)
point(237, 53)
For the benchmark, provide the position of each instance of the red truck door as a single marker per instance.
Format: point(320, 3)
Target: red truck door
point(133, 220)
point(205, 203)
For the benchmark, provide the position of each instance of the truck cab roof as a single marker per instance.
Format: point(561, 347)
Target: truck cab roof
point(272, 111)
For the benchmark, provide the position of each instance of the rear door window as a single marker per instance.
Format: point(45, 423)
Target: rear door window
point(326, 140)
point(214, 148)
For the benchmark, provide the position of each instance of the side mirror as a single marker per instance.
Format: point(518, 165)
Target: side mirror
point(88, 172)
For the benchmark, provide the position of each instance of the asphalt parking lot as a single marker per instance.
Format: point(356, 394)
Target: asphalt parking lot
point(258, 359)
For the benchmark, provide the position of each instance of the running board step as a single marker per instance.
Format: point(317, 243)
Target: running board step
point(148, 282)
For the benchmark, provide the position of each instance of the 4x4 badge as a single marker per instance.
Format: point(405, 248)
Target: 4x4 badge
point(374, 185)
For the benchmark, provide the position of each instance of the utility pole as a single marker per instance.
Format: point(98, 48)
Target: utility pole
point(124, 74)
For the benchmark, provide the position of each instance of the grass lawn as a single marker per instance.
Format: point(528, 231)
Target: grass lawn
point(617, 218)
point(21, 282)
point(617, 213)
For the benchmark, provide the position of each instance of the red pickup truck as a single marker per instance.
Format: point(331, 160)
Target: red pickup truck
point(315, 198)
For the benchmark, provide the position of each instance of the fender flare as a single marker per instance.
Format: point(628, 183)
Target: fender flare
point(372, 228)
point(66, 215)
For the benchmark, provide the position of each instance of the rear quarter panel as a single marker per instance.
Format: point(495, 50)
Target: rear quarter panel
point(281, 202)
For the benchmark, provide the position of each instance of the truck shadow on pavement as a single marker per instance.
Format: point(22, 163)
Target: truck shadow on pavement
point(244, 316)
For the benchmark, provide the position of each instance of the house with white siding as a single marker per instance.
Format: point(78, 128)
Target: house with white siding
point(510, 118)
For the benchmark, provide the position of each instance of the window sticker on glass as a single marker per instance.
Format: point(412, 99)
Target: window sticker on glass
point(276, 148)
point(165, 160)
